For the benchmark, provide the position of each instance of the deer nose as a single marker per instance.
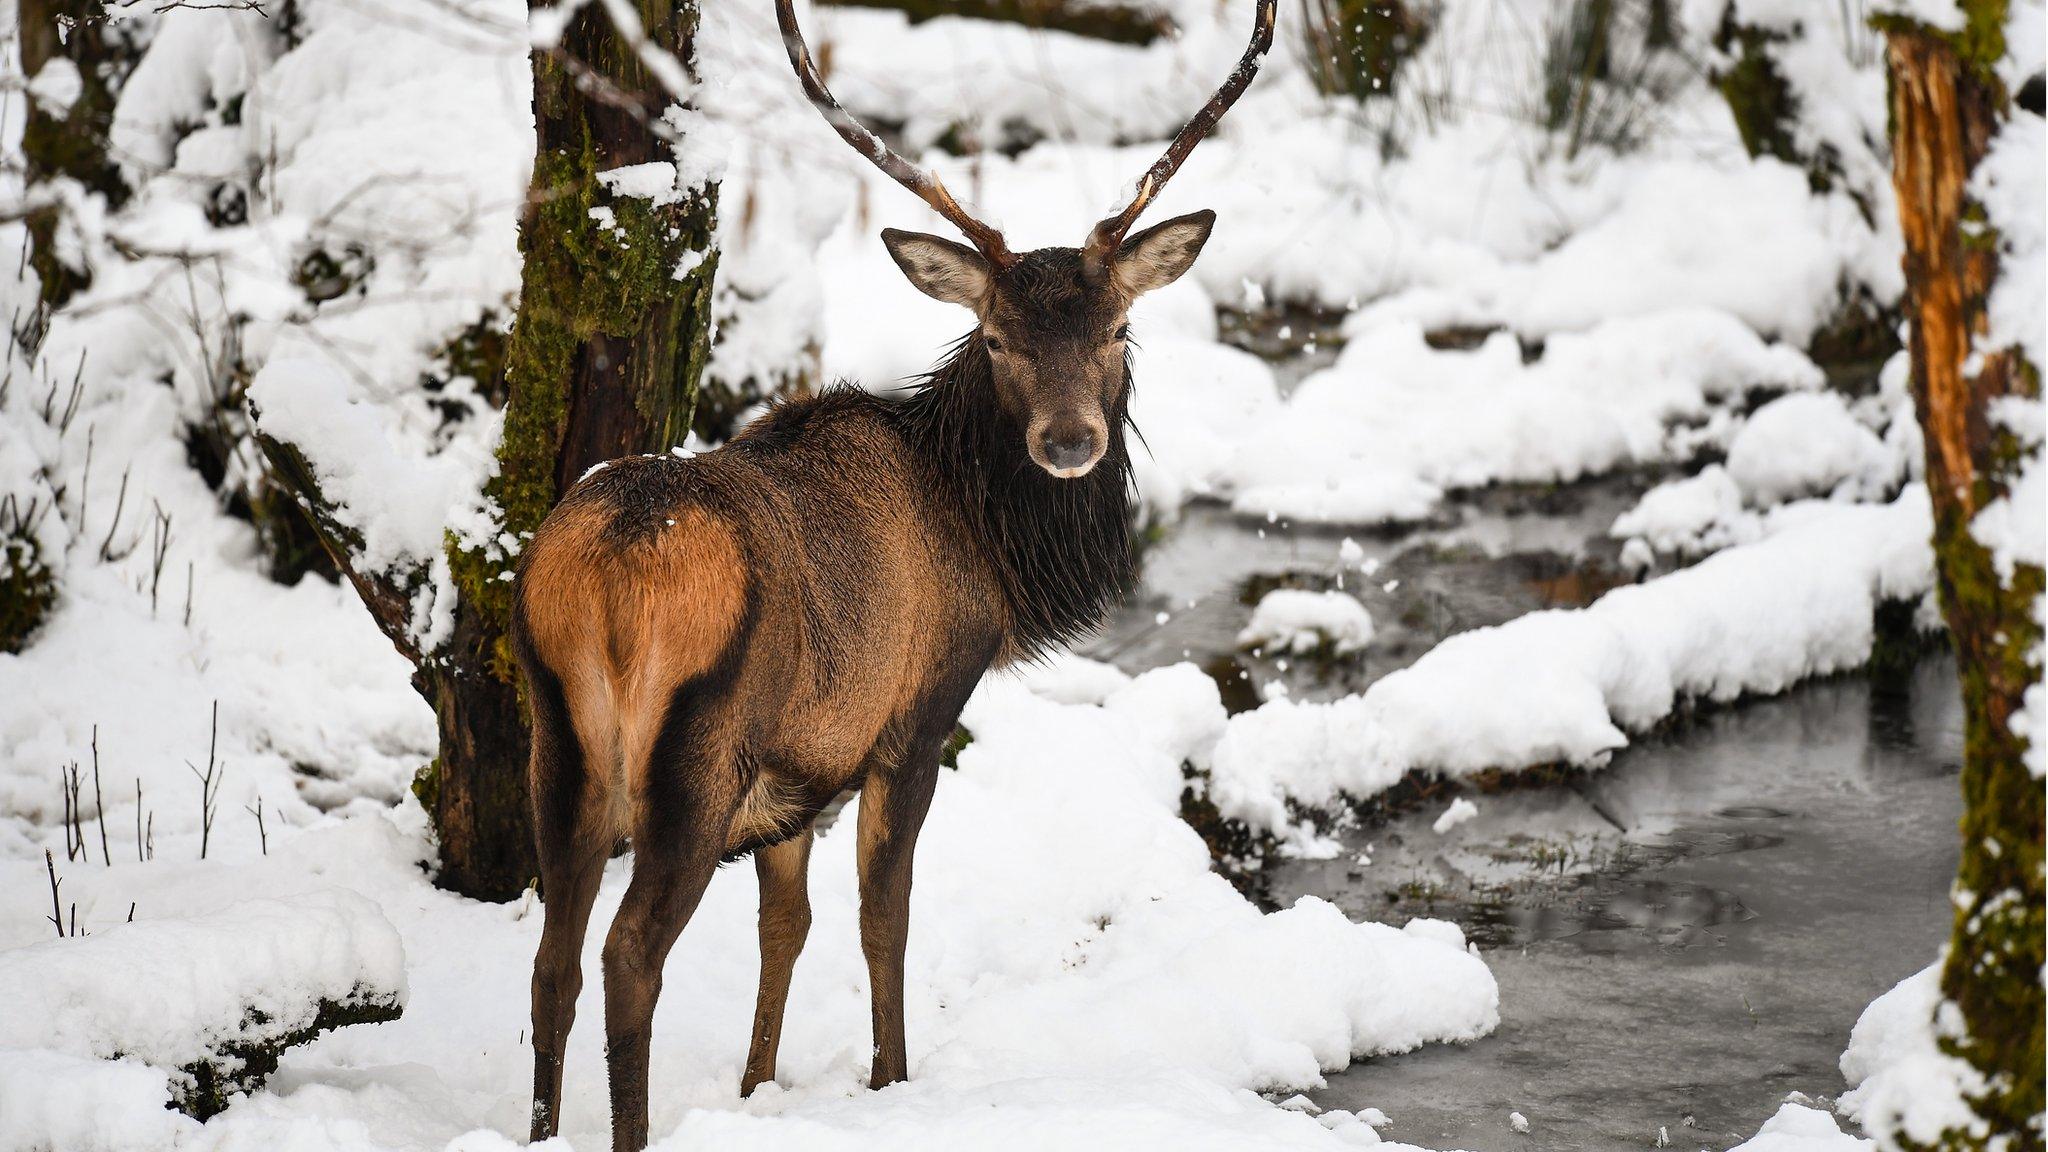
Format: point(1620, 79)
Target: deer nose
point(1068, 450)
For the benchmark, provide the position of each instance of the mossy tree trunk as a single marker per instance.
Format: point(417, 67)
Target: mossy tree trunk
point(1947, 104)
point(72, 146)
point(606, 352)
point(613, 331)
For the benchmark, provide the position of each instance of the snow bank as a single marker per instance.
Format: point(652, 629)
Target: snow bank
point(1299, 621)
point(52, 1100)
point(1567, 686)
point(1809, 445)
point(1394, 423)
point(1797, 1128)
point(1692, 516)
point(210, 997)
point(1901, 1080)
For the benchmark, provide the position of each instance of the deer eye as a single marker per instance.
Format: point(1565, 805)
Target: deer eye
point(993, 344)
point(1123, 332)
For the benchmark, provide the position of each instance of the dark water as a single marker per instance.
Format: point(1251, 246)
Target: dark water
point(1683, 938)
point(1491, 559)
point(1680, 939)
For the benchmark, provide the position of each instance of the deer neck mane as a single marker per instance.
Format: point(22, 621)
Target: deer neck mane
point(1061, 548)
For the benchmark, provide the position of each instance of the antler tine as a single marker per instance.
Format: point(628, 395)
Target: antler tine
point(925, 184)
point(1109, 233)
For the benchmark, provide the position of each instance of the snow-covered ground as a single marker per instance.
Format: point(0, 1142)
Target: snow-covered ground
point(1080, 976)
point(1065, 915)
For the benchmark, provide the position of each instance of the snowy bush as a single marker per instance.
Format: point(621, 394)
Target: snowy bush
point(1303, 622)
point(212, 999)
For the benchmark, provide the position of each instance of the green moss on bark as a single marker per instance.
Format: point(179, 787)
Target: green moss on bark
point(1765, 108)
point(1948, 105)
point(604, 358)
point(1996, 953)
point(598, 267)
point(1758, 96)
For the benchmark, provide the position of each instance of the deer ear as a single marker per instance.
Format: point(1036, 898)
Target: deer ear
point(940, 268)
point(1157, 256)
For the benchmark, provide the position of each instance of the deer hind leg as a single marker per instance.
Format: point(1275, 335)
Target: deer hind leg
point(686, 794)
point(785, 921)
point(573, 834)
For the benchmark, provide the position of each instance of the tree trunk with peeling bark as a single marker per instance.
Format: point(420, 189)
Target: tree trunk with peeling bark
point(1947, 105)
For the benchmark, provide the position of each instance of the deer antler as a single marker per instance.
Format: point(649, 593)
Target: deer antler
point(1109, 233)
point(925, 184)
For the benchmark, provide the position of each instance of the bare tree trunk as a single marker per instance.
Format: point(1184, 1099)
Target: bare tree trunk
point(1947, 105)
point(604, 360)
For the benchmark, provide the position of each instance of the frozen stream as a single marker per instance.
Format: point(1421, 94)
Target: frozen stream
point(1680, 939)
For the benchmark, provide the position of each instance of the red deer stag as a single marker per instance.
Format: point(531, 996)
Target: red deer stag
point(716, 647)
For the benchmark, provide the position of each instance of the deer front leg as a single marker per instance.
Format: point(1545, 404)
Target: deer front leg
point(785, 922)
point(892, 810)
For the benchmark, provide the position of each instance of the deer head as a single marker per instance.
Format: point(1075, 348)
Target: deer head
point(1053, 322)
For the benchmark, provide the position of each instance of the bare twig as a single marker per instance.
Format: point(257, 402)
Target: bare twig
point(209, 783)
point(120, 502)
point(71, 402)
point(99, 804)
point(56, 905)
point(74, 819)
point(262, 837)
point(85, 477)
point(159, 547)
point(139, 857)
point(188, 593)
point(64, 792)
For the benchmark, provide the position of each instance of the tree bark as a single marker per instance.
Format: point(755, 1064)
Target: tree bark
point(1947, 104)
point(606, 352)
point(74, 145)
point(1111, 22)
point(613, 331)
